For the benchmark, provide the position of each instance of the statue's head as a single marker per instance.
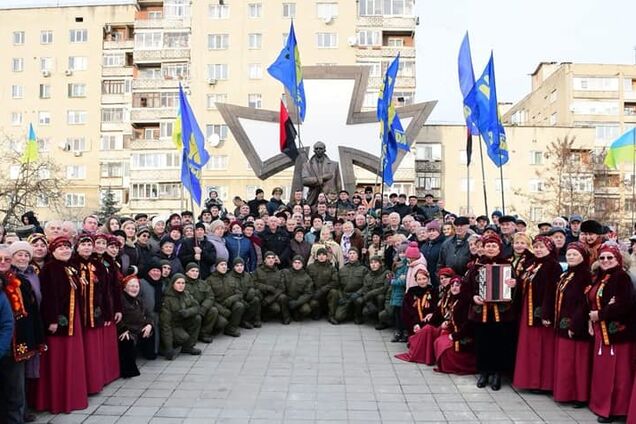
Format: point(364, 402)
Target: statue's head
point(320, 149)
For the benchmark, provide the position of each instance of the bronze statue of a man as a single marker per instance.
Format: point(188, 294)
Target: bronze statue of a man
point(320, 174)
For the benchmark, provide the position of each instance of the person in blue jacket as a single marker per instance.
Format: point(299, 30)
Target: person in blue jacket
point(239, 246)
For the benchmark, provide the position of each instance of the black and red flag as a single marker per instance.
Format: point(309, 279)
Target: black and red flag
point(287, 134)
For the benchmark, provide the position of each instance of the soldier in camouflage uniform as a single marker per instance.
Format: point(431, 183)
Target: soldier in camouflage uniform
point(251, 296)
point(325, 278)
point(373, 290)
point(300, 289)
point(351, 278)
point(204, 295)
point(179, 319)
point(269, 281)
point(228, 297)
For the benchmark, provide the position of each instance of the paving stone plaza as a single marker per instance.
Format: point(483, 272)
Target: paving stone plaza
point(311, 372)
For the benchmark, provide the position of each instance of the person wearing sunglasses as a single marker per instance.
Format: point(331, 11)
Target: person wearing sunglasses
point(610, 323)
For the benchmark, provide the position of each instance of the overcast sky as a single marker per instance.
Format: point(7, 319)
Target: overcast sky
point(522, 33)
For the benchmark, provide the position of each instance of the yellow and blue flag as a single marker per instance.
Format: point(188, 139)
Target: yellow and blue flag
point(483, 96)
point(622, 149)
point(188, 136)
point(31, 148)
point(391, 131)
point(466, 83)
point(288, 70)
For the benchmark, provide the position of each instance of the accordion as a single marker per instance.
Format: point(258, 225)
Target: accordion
point(492, 283)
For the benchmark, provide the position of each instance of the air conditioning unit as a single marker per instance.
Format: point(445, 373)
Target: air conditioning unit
point(77, 154)
point(327, 20)
point(68, 72)
point(65, 147)
point(46, 73)
point(353, 41)
point(212, 81)
point(214, 140)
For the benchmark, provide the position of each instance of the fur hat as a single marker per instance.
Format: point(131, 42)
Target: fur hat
point(413, 251)
point(592, 226)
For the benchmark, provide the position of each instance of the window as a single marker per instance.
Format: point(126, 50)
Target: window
point(553, 119)
point(519, 117)
point(46, 63)
point(255, 71)
point(112, 169)
point(594, 107)
point(176, 40)
point(17, 91)
point(398, 7)
point(375, 69)
point(175, 70)
point(395, 42)
point(113, 87)
point(16, 118)
point(289, 10)
point(255, 41)
point(77, 63)
point(165, 129)
point(370, 99)
point(111, 142)
point(220, 129)
point(218, 162)
point(536, 158)
point(155, 160)
point(255, 101)
point(76, 172)
point(148, 40)
point(370, 7)
point(75, 200)
point(18, 38)
point(155, 15)
point(326, 40)
point(149, 100)
point(428, 151)
point(77, 90)
point(46, 37)
point(176, 9)
point(429, 181)
point(45, 91)
point(535, 185)
point(406, 68)
point(536, 214)
point(218, 71)
point(218, 11)
point(78, 35)
point(595, 83)
point(218, 41)
point(44, 118)
point(406, 188)
point(76, 117)
point(506, 184)
point(169, 99)
point(606, 132)
point(113, 115)
point(156, 191)
point(369, 38)
point(553, 96)
point(17, 64)
point(41, 201)
point(76, 144)
point(326, 10)
point(113, 60)
point(254, 10)
point(150, 73)
point(216, 98)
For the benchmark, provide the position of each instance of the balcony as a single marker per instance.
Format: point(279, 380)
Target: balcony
point(388, 22)
point(155, 205)
point(110, 99)
point(162, 23)
point(151, 114)
point(119, 45)
point(385, 51)
point(114, 182)
point(151, 144)
point(154, 84)
point(117, 71)
point(161, 55)
point(114, 126)
point(401, 82)
point(428, 166)
point(155, 175)
point(421, 192)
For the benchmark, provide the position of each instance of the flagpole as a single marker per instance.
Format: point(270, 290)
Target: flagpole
point(631, 230)
point(483, 173)
point(503, 201)
point(468, 188)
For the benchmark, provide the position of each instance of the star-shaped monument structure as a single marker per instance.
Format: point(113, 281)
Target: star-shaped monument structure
point(335, 95)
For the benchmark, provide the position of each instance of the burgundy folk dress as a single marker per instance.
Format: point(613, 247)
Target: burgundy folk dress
point(572, 355)
point(455, 354)
point(113, 305)
point(61, 387)
point(534, 365)
point(613, 350)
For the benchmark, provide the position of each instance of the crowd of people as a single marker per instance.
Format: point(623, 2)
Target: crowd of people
point(79, 304)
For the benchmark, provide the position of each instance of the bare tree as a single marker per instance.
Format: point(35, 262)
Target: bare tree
point(25, 185)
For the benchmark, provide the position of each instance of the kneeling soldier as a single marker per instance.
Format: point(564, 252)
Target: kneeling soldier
point(373, 291)
point(180, 319)
point(204, 295)
point(325, 278)
point(251, 296)
point(269, 281)
point(228, 298)
point(351, 279)
point(299, 290)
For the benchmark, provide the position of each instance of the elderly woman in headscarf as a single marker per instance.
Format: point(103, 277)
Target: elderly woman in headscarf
point(535, 350)
point(217, 230)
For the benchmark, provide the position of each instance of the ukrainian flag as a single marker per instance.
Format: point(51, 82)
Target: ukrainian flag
point(31, 149)
point(622, 149)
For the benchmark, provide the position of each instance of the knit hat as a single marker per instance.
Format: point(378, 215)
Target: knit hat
point(433, 226)
point(220, 260)
point(354, 249)
point(446, 272)
point(580, 247)
point(164, 262)
point(156, 220)
point(192, 265)
point(298, 258)
point(153, 264)
point(269, 253)
point(176, 277)
point(59, 241)
point(376, 258)
point(497, 214)
point(299, 229)
point(547, 242)
point(112, 240)
point(37, 236)
point(413, 251)
point(321, 251)
point(461, 220)
point(21, 245)
point(132, 275)
point(164, 240)
point(492, 238)
point(238, 260)
point(199, 225)
point(614, 250)
point(142, 229)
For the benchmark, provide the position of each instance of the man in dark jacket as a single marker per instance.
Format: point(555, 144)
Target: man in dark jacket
point(325, 278)
point(277, 240)
point(275, 202)
point(300, 289)
point(430, 209)
point(269, 282)
point(200, 250)
point(258, 200)
point(431, 250)
point(401, 207)
point(144, 251)
point(508, 227)
point(454, 252)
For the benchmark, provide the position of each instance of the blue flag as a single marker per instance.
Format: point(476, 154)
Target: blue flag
point(288, 70)
point(486, 114)
point(466, 82)
point(391, 131)
point(194, 156)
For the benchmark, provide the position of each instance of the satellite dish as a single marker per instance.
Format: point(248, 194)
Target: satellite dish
point(214, 139)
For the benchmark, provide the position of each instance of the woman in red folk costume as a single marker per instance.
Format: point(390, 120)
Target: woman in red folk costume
point(421, 349)
point(92, 294)
point(534, 367)
point(610, 302)
point(62, 383)
point(419, 303)
point(113, 306)
point(454, 346)
point(573, 346)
